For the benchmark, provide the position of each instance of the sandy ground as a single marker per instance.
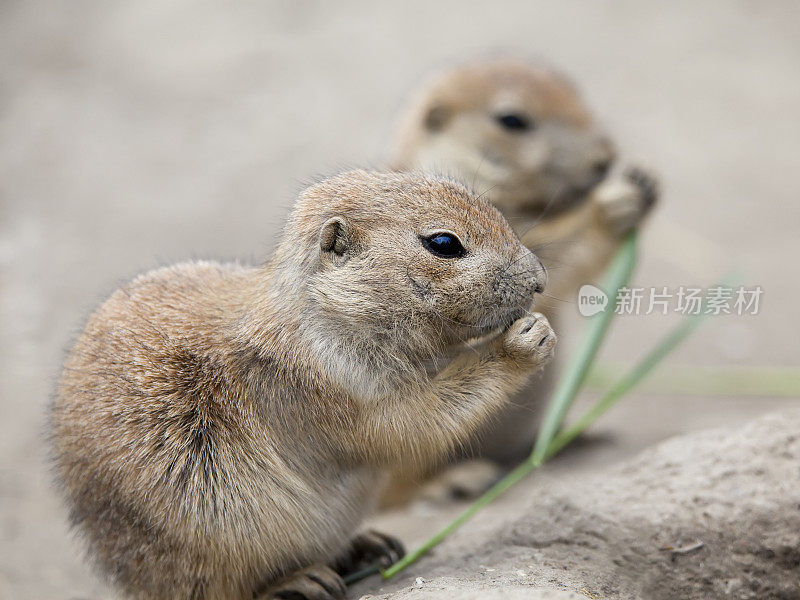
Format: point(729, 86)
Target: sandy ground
point(133, 134)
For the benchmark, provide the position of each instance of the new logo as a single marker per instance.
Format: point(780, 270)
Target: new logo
point(591, 300)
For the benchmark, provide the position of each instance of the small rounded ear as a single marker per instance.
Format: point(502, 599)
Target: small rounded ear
point(333, 237)
point(436, 118)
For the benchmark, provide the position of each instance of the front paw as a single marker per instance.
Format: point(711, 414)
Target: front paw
point(367, 549)
point(530, 341)
point(316, 582)
point(626, 201)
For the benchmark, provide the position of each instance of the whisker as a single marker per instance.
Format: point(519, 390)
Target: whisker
point(551, 264)
point(547, 207)
point(475, 175)
point(487, 191)
point(557, 298)
point(550, 244)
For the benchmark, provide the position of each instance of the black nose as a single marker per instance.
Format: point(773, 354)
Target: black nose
point(600, 169)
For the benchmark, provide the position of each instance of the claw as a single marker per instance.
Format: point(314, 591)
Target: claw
point(368, 548)
point(647, 184)
point(317, 582)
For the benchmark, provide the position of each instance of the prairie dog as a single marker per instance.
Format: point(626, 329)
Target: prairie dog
point(522, 137)
point(219, 430)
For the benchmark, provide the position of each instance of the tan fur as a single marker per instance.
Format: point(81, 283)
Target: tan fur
point(544, 180)
point(220, 427)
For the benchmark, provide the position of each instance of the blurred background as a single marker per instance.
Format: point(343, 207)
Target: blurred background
point(134, 134)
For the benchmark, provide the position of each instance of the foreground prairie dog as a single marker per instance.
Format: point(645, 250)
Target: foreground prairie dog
point(522, 137)
point(219, 430)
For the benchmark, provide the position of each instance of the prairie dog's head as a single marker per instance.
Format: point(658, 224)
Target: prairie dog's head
point(520, 132)
point(408, 258)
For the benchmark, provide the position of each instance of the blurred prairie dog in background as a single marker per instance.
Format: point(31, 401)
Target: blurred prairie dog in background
point(219, 431)
point(522, 137)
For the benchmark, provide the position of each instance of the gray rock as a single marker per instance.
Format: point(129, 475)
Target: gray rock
point(715, 514)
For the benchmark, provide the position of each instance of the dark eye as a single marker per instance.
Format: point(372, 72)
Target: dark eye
point(514, 122)
point(444, 245)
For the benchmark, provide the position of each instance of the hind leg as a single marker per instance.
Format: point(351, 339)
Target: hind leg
point(366, 549)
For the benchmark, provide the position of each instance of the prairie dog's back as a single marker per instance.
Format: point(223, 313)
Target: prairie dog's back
point(154, 427)
point(125, 463)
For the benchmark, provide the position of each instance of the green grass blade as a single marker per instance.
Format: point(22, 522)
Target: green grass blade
point(634, 376)
point(618, 275)
point(519, 473)
point(624, 385)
